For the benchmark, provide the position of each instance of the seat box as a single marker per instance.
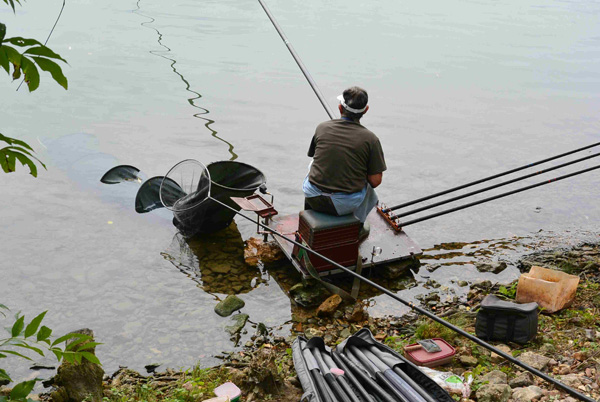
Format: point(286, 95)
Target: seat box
point(321, 230)
point(335, 237)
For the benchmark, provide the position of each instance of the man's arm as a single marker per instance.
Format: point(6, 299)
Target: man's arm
point(375, 179)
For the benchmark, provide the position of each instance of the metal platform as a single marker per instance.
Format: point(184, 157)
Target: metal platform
point(394, 245)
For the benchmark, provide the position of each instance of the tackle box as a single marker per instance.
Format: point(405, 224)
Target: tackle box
point(501, 320)
point(419, 356)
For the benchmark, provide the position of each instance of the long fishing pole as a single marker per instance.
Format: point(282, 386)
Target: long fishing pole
point(418, 309)
point(312, 83)
point(460, 197)
point(471, 204)
point(406, 204)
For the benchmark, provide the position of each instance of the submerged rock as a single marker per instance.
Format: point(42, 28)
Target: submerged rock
point(257, 251)
point(229, 305)
point(239, 320)
point(494, 267)
point(329, 306)
point(306, 295)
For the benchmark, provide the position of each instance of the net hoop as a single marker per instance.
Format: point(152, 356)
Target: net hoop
point(189, 187)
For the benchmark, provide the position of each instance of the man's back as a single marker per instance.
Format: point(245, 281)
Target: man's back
point(344, 154)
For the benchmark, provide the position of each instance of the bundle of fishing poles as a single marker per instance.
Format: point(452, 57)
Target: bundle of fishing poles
point(395, 217)
point(362, 373)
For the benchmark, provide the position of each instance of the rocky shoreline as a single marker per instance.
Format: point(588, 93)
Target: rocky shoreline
point(567, 345)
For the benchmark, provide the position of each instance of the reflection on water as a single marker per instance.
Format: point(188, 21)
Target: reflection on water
point(191, 101)
point(215, 261)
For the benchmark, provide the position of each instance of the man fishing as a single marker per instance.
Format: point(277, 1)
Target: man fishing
point(348, 162)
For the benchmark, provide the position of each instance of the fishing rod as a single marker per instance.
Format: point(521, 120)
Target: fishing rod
point(411, 305)
point(460, 197)
point(424, 218)
point(312, 83)
point(406, 204)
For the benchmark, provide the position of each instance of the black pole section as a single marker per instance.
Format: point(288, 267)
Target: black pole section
point(312, 83)
point(460, 197)
point(406, 204)
point(419, 310)
point(424, 218)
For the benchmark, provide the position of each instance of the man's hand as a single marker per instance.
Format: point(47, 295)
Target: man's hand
point(375, 179)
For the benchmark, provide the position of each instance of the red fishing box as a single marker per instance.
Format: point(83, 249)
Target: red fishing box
point(419, 356)
point(335, 237)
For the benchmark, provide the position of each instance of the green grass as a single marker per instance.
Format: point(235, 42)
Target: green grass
point(196, 384)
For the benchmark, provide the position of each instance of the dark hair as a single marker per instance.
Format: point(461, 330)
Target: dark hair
point(356, 98)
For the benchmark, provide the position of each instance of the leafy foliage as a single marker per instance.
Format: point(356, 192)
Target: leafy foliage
point(27, 337)
point(35, 55)
point(12, 4)
point(509, 292)
point(22, 57)
point(17, 150)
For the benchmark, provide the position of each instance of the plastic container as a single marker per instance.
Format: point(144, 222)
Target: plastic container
point(419, 356)
point(552, 290)
point(229, 390)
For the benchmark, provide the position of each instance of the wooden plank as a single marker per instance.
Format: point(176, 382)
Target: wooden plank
point(394, 245)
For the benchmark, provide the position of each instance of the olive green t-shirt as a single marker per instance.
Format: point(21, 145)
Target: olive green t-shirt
point(344, 154)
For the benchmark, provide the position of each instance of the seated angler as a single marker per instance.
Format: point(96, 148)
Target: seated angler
point(348, 162)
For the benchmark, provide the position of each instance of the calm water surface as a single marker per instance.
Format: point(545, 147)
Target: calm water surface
point(458, 91)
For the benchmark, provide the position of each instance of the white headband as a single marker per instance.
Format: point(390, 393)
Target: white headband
point(348, 108)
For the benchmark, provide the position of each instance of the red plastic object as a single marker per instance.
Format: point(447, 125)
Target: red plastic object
point(419, 356)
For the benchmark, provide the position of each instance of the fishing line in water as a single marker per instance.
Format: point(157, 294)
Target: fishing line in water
point(191, 101)
point(50, 34)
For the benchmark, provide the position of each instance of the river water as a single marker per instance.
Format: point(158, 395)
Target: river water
point(458, 91)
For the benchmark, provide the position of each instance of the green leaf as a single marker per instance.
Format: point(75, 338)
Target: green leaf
point(68, 357)
point(17, 327)
point(14, 57)
point(88, 346)
point(69, 336)
point(22, 389)
point(72, 345)
point(33, 326)
point(23, 144)
point(2, 32)
point(58, 353)
point(90, 357)
point(11, 352)
point(12, 156)
point(4, 375)
point(4, 60)
point(78, 357)
point(32, 75)
point(54, 69)
point(22, 42)
point(26, 346)
point(44, 333)
point(2, 356)
point(44, 51)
